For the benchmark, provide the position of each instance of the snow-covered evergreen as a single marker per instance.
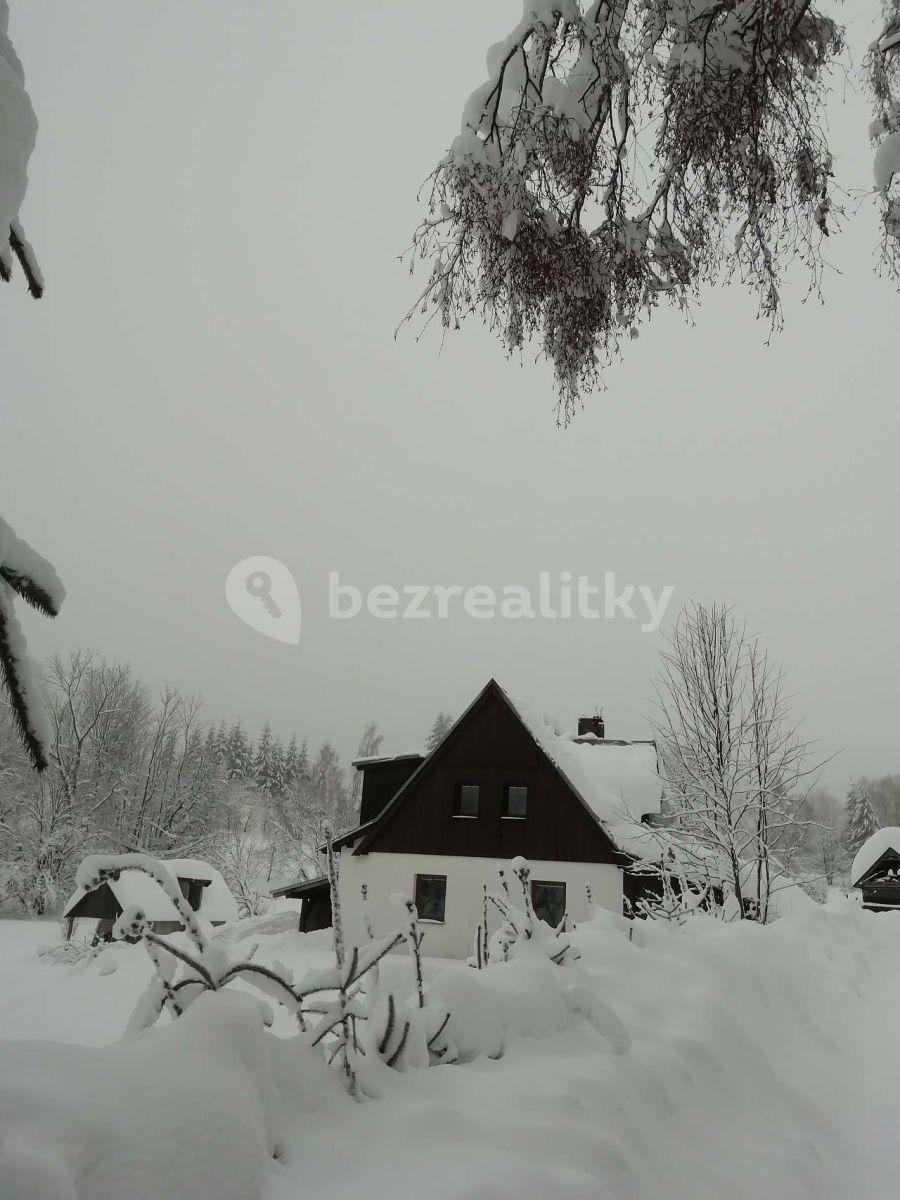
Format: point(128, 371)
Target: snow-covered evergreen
point(24, 573)
point(862, 819)
point(18, 132)
point(442, 725)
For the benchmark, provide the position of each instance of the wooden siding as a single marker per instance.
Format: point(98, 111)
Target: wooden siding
point(491, 747)
point(381, 782)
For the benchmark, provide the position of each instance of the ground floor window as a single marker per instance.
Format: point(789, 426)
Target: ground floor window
point(431, 897)
point(548, 901)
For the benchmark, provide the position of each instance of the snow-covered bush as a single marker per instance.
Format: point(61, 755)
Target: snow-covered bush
point(520, 925)
point(341, 1011)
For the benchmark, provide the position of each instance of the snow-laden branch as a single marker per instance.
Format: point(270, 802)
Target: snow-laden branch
point(620, 153)
point(18, 132)
point(24, 573)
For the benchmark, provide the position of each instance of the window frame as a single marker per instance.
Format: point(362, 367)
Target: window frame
point(507, 815)
point(556, 883)
point(457, 802)
point(442, 920)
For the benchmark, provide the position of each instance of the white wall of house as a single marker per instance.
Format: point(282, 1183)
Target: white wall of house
point(387, 874)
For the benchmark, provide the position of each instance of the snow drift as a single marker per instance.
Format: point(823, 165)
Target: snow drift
point(687, 1062)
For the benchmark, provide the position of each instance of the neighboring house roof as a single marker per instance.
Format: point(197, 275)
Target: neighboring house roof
point(871, 852)
point(134, 889)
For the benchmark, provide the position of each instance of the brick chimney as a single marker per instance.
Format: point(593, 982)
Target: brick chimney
point(592, 725)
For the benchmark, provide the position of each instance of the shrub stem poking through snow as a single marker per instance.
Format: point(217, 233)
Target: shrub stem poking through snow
point(346, 1019)
point(482, 954)
point(414, 941)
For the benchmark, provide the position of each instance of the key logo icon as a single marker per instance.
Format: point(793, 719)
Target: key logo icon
point(263, 593)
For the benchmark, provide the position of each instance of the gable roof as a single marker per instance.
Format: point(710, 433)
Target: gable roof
point(872, 851)
point(135, 889)
point(615, 782)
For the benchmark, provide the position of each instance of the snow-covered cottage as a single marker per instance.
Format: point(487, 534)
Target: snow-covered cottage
point(201, 885)
point(876, 870)
point(503, 782)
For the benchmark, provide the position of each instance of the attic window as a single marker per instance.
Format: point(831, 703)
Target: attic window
point(431, 897)
point(467, 795)
point(548, 901)
point(516, 800)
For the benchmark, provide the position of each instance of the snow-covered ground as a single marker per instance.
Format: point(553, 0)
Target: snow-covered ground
point(755, 1062)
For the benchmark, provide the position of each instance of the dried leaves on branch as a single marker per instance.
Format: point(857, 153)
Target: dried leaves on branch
point(621, 153)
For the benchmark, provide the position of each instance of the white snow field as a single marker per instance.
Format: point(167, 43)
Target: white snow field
point(684, 1063)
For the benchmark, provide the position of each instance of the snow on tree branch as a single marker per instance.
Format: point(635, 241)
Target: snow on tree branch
point(25, 573)
point(883, 62)
point(621, 153)
point(18, 131)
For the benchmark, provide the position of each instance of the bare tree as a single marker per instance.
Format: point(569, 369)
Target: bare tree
point(301, 816)
point(369, 745)
point(620, 154)
point(736, 770)
point(124, 773)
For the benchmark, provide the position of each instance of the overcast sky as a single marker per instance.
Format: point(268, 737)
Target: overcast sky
point(219, 196)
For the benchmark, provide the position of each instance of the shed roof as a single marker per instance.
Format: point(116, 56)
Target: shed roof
point(302, 887)
point(134, 889)
point(873, 849)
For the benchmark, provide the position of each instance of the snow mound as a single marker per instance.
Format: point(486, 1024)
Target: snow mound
point(187, 1110)
point(872, 849)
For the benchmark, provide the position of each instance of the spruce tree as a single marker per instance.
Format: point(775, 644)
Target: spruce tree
point(862, 819)
point(443, 722)
point(295, 764)
point(263, 763)
point(278, 775)
point(238, 754)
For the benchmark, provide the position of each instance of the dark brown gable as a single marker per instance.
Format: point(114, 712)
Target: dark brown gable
point(490, 747)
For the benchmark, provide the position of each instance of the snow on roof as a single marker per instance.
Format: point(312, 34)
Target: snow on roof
point(617, 780)
point(134, 889)
point(872, 849)
point(372, 760)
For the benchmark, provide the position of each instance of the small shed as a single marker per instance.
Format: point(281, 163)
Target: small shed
point(201, 885)
point(315, 895)
point(876, 870)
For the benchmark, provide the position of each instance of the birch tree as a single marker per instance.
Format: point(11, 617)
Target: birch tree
point(620, 154)
point(735, 768)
